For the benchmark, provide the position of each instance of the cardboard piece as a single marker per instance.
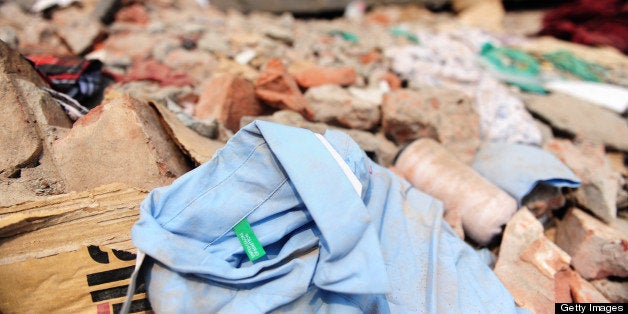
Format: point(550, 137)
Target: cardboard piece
point(89, 280)
point(70, 253)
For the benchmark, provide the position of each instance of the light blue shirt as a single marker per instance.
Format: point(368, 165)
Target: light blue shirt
point(329, 250)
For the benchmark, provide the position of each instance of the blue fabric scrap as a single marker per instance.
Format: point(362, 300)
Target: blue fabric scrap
point(518, 168)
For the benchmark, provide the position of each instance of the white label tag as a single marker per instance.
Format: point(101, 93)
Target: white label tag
point(357, 186)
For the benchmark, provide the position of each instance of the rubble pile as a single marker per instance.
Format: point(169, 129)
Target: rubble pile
point(179, 78)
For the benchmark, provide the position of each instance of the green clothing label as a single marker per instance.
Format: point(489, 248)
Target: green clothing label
point(249, 241)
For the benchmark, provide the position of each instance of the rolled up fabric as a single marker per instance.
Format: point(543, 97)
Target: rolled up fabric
point(482, 207)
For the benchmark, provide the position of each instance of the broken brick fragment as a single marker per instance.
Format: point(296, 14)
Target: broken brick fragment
point(228, 98)
point(278, 89)
point(531, 266)
point(153, 70)
point(597, 250)
point(317, 76)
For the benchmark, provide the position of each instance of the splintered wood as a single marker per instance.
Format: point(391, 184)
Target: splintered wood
point(64, 223)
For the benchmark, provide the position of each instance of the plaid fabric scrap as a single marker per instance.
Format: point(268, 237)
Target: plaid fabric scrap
point(77, 77)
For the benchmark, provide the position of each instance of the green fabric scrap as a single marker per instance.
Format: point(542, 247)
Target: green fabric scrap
point(400, 32)
point(345, 35)
point(514, 66)
point(566, 61)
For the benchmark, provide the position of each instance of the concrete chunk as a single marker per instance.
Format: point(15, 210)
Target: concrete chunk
point(78, 29)
point(597, 250)
point(600, 184)
point(122, 140)
point(335, 105)
point(615, 291)
point(18, 131)
point(581, 118)
point(29, 121)
point(529, 264)
point(444, 115)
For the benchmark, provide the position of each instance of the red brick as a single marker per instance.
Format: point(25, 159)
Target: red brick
point(562, 286)
point(278, 89)
point(392, 79)
point(379, 17)
point(153, 70)
point(135, 13)
point(371, 57)
point(228, 98)
point(584, 292)
point(317, 76)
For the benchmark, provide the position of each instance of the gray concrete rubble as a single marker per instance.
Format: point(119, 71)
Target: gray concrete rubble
point(581, 119)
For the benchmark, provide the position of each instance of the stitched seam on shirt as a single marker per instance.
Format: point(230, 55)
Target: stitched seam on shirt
point(270, 195)
point(346, 155)
point(346, 147)
point(217, 184)
point(350, 300)
point(279, 294)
